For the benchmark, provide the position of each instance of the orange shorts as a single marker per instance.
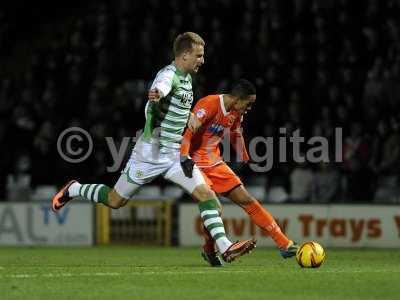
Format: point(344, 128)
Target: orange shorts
point(221, 178)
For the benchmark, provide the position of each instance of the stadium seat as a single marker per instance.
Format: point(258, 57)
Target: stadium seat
point(260, 180)
point(145, 213)
point(173, 191)
point(149, 191)
point(257, 192)
point(44, 193)
point(120, 214)
point(277, 194)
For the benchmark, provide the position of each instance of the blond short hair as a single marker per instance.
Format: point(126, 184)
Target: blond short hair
point(186, 41)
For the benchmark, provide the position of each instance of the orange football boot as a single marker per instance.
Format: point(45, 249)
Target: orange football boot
point(238, 249)
point(62, 197)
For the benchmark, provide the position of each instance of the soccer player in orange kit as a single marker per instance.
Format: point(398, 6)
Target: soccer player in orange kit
point(219, 115)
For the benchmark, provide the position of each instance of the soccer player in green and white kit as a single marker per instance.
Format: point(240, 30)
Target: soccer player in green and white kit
point(157, 151)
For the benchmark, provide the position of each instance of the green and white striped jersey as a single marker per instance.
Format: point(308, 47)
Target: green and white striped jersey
point(166, 119)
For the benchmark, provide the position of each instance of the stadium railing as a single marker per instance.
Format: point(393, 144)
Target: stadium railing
point(146, 221)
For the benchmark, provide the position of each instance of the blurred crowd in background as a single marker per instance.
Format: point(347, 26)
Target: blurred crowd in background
point(317, 65)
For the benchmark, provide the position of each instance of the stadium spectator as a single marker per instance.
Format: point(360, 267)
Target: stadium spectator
point(386, 162)
point(301, 183)
point(356, 154)
point(19, 181)
point(317, 64)
point(326, 184)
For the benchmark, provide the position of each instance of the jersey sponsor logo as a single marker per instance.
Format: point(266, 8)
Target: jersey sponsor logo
point(201, 113)
point(216, 129)
point(186, 99)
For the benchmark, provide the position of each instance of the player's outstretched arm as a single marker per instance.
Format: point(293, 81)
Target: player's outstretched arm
point(162, 84)
point(237, 142)
point(186, 162)
point(194, 124)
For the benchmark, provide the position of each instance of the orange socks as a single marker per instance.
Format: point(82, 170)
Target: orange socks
point(262, 218)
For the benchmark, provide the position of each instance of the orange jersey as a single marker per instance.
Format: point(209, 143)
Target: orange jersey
point(216, 122)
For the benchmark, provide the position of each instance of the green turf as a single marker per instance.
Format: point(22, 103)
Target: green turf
point(179, 273)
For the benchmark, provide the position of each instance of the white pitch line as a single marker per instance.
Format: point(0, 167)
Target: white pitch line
point(52, 275)
point(104, 274)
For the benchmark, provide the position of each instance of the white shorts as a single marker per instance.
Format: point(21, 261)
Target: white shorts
point(147, 162)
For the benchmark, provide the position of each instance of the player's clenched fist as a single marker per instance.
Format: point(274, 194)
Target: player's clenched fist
point(155, 95)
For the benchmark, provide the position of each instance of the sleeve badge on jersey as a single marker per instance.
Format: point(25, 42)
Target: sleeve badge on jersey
point(201, 113)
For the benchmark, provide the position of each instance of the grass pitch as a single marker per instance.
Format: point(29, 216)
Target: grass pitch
point(121, 272)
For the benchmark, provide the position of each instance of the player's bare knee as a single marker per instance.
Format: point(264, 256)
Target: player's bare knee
point(114, 204)
point(115, 201)
point(241, 197)
point(124, 202)
point(203, 193)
